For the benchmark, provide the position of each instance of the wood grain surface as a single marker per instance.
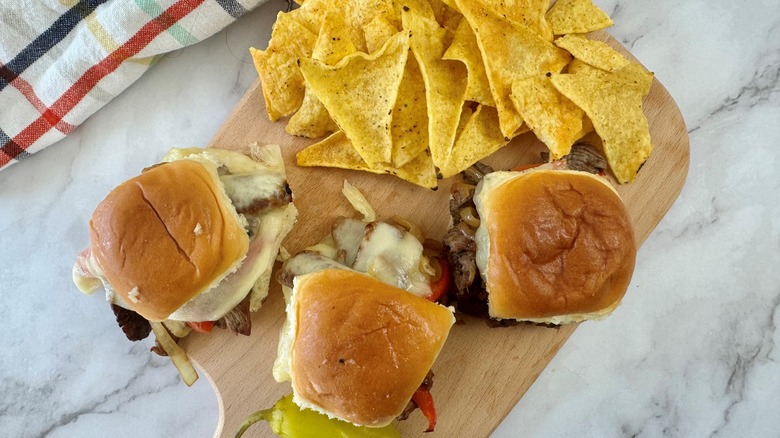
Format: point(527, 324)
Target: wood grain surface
point(481, 372)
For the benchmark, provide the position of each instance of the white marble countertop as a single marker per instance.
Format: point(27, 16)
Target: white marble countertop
point(689, 353)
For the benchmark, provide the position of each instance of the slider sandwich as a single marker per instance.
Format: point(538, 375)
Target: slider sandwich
point(362, 330)
point(189, 244)
point(551, 244)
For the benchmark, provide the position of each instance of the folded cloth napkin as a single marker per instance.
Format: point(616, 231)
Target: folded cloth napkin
point(61, 60)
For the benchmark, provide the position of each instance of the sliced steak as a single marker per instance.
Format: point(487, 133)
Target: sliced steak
point(134, 326)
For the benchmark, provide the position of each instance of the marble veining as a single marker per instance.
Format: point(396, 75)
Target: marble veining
point(690, 352)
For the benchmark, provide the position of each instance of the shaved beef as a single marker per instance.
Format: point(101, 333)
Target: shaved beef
point(584, 157)
point(469, 295)
point(238, 319)
point(461, 254)
point(278, 198)
point(134, 326)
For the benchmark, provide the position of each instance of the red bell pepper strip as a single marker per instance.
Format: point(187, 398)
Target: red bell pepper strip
point(423, 399)
point(440, 285)
point(202, 327)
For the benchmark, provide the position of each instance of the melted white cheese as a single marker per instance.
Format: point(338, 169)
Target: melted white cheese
point(393, 257)
point(256, 267)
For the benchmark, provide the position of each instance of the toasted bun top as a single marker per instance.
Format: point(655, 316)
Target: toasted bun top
point(559, 247)
point(362, 347)
point(166, 235)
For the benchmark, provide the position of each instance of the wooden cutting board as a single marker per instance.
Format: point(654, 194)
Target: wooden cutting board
point(481, 372)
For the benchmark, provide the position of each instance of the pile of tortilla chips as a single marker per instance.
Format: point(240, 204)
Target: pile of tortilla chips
point(422, 89)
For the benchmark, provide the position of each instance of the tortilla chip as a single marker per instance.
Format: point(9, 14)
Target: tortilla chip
point(334, 151)
point(616, 112)
point(333, 44)
point(358, 13)
point(451, 4)
point(438, 7)
point(576, 65)
point(451, 19)
point(312, 119)
point(554, 119)
point(337, 151)
point(577, 16)
point(281, 80)
point(633, 75)
point(410, 116)
point(423, 7)
point(465, 115)
point(587, 128)
point(479, 138)
point(464, 48)
point(510, 52)
point(420, 171)
point(595, 53)
point(360, 92)
point(377, 32)
point(312, 14)
point(445, 14)
point(530, 13)
point(445, 82)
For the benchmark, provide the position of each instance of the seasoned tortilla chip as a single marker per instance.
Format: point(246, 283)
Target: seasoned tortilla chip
point(358, 13)
point(445, 82)
point(595, 53)
point(410, 116)
point(575, 65)
point(528, 13)
point(616, 112)
point(333, 44)
point(554, 119)
point(633, 75)
point(577, 16)
point(337, 151)
point(510, 52)
point(420, 171)
point(312, 14)
point(587, 128)
point(479, 138)
point(312, 119)
point(451, 4)
point(377, 32)
point(465, 116)
point(360, 92)
point(464, 48)
point(445, 14)
point(334, 151)
point(451, 19)
point(281, 80)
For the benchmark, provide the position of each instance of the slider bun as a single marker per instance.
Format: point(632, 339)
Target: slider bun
point(361, 347)
point(167, 235)
point(553, 246)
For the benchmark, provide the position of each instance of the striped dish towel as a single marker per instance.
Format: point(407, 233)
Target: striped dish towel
point(61, 60)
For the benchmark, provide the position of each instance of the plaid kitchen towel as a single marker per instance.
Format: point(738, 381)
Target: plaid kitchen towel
point(60, 61)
